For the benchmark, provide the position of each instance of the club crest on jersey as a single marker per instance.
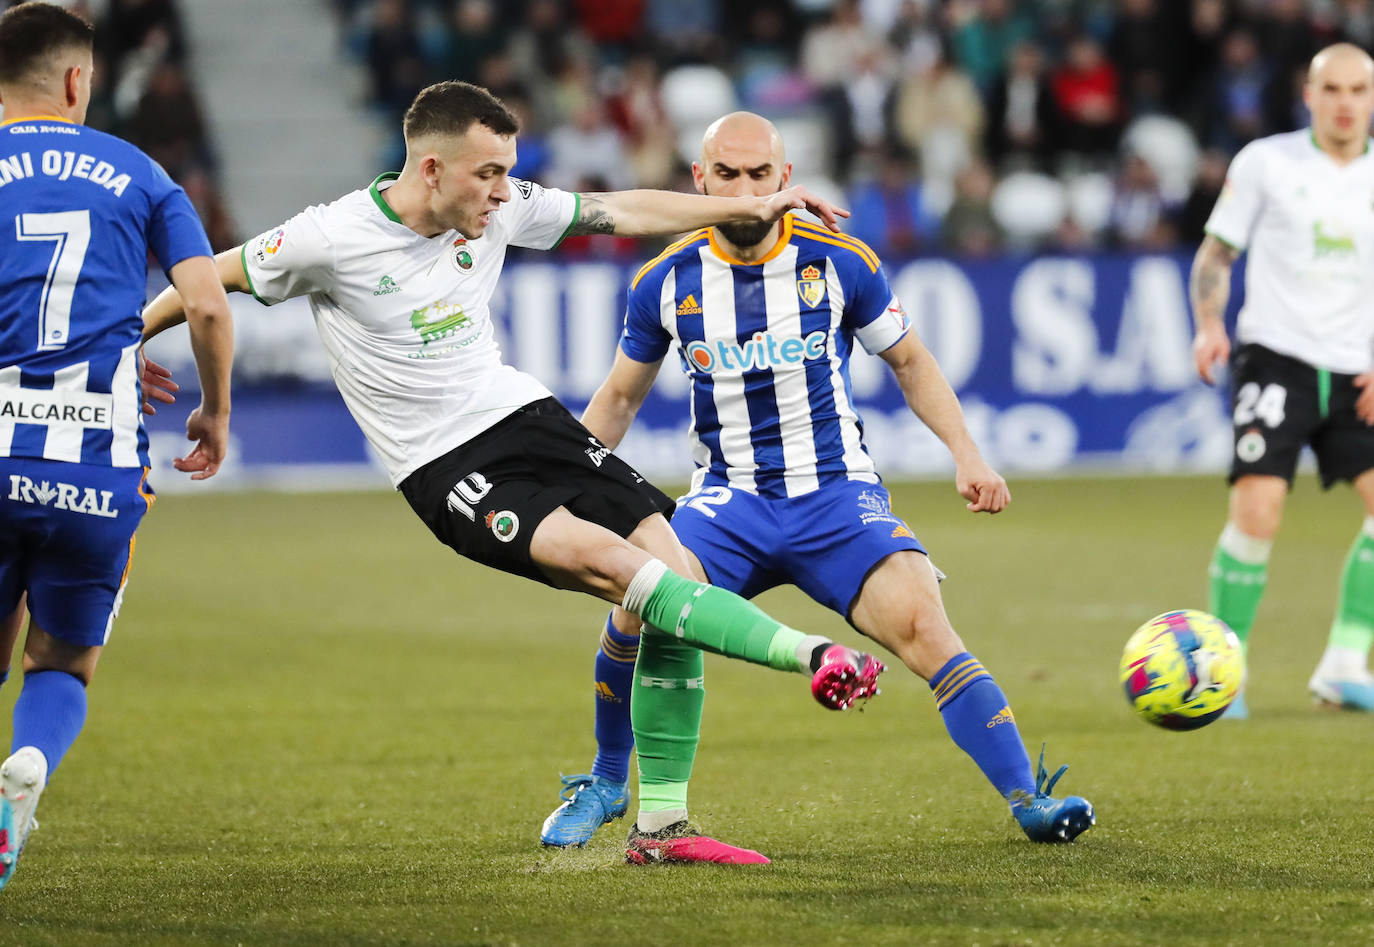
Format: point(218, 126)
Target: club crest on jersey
point(811, 286)
point(462, 256)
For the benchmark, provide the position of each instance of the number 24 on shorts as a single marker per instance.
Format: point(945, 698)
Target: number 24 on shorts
point(1265, 403)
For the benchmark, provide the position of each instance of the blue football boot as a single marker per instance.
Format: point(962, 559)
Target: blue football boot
point(1046, 819)
point(589, 802)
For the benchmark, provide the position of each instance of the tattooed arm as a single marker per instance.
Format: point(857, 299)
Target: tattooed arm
point(660, 213)
point(1209, 288)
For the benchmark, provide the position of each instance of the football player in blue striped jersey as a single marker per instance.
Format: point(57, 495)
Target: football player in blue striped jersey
point(81, 210)
point(764, 317)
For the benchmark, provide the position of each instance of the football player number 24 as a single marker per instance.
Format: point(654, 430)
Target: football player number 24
point(70, 230)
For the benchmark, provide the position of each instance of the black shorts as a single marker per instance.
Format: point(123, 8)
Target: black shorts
point(486, 498)
point(1279, 404)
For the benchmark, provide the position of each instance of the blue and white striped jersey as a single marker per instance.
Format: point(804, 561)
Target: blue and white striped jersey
point(767, 348)
point(79, 212)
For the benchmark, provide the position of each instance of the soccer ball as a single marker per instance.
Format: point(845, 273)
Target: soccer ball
point(1182, 669)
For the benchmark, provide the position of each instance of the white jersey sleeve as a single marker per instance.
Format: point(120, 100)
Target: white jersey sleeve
point(294, 259)
point(538, 217)
point(1242, 198)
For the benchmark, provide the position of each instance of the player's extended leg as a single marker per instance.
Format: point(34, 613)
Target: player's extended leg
point(1342, 677)
point(592, 799)
point(899, 606)
point(646, 576)
point(48, 716)
point(1240, 562)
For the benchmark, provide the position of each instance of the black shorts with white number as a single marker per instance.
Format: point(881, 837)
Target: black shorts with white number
point(1279, 404)
point(486, 497)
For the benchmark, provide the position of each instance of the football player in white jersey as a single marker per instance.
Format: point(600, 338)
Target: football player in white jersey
point(764, 317)
point(399, 275)
point(1301, 206)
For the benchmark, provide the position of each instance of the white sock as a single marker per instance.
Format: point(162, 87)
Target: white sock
point(1342, 663)
point(656, 821)
point(642, 585)
point(807, 647)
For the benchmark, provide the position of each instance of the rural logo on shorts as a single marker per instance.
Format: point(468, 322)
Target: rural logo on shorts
point(504, 524)
point(1250, 446)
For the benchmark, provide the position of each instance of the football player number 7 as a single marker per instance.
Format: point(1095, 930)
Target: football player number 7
point(71, 231)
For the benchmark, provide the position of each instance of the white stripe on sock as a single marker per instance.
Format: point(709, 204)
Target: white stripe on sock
point(1247, 549)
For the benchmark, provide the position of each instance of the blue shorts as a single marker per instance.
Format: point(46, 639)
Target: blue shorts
point(825, 542)
point(66, 538)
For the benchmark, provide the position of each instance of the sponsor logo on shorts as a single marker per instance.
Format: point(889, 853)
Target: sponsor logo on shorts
point(504, 524)
point(903, 532)
point(597, 452)
point(274, 241)
point(875, 508)
point(811, 287)
point(62, 496)
point(1250, 446)
point(1003, 716)
point(386, 286)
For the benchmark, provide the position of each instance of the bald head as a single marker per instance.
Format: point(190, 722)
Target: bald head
point(1340, 96)
point(740, 134)
point(1340, 57)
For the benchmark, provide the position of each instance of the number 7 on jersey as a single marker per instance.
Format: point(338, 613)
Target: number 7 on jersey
point(71, 231)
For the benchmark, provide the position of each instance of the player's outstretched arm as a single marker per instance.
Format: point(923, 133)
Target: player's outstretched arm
point(167, 309)
point(660, 213)
point(931, 399)
point(1209, 288)
point(617, 401)
point(205, 308)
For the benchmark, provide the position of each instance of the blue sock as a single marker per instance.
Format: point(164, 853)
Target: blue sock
point(615, 671)
point(49, 714)
point(979, 719)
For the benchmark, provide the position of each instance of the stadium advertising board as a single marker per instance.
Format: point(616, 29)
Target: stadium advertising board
point(1062, 363)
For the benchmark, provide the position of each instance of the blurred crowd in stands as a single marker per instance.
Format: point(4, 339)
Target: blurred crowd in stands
point(142, 91)
point(948, 126)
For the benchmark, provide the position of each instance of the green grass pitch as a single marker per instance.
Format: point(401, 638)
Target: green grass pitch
point(315, 725)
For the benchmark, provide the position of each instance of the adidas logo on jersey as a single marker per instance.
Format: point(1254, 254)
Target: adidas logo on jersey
point(689, 306)
point(62, 496)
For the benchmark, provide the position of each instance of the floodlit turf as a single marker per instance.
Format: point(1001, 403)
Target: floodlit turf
point(314, 725)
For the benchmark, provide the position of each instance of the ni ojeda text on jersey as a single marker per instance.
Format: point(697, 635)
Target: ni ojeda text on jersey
point(61, 165)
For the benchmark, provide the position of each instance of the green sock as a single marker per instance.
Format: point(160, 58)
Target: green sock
point(1239, 570)
point(665, 711)
point(1353, 627)
point(712, 619)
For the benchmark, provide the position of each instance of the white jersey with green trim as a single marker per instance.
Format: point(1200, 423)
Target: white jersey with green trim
point(405, 318)
point(1307, 226)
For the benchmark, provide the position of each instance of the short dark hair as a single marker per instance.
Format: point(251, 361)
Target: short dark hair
point(32, 32)
point(452, 107)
